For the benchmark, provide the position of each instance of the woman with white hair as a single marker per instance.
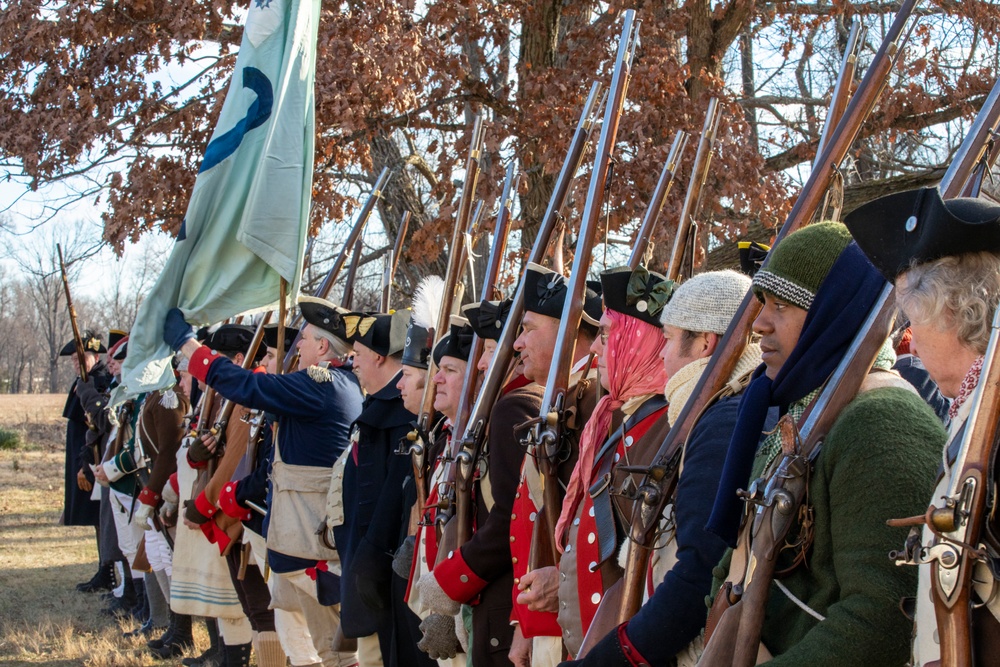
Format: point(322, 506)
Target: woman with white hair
point(944, 257)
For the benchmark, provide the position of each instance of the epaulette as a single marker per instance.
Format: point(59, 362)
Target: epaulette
point(320, 372)
point(169, 400)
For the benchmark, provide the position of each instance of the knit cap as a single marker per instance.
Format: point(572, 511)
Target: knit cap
point(800, 263)
point(706, 302)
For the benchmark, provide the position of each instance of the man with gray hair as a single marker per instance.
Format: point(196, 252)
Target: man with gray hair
point(694, 322)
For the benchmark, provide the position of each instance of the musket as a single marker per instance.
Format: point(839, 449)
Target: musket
point(643, 245)
point(418, 438)
point(324, 289)
point(957, 523)
point(699, 173)
point(391, 261)
point(498, 371)
point(465, 459)
point(735, 640)
point(842, 88)
point(660, 479)
point(347, 300)
point(81, 353)
point(545, 438)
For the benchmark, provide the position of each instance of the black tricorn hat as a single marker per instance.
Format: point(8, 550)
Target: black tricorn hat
point(325, 315)
point(122, 351)
point(383, 333)
point(271, 336)
point(91, 343)
point(752, 255)
point(487, 318)
point(545, 292)
point(114, 336)
point(230, 338)
point(417, 347)
point(639, 293)
point(458, 342)
point(918, 226)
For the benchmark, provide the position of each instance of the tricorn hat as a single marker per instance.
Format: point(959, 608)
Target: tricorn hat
point(545, 293)
point(230, 338)
point(325, 315)
point(918, 226)
point(383, 333)
point(271, 336)
point(487, 318)
point(639, 293)
point(91, 343)
point(114, 336)
point(458, 342)
point(119, 350)
point(426, 305)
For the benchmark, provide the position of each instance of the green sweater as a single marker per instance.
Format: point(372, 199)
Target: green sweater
point(877, 463)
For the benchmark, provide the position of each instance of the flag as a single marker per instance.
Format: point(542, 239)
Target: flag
point(246, 222)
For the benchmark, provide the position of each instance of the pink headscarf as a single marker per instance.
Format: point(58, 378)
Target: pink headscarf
point(634, 369)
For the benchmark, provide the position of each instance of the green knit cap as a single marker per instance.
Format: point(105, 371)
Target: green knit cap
point(801, 262)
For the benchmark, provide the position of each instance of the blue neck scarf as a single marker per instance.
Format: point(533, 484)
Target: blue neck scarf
point(839, 309)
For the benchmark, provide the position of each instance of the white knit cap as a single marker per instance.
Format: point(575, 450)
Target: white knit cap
point(706, 302)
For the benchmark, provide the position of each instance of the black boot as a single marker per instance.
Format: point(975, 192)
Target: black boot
point(140, 610)
point(104, 580)
point(176, 640)
point(212, 657)
point(123, 606)
point(238, 655)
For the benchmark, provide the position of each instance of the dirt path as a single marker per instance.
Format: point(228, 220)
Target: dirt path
point(43, 619)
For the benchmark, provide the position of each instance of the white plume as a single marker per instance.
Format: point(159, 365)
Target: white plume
point(427, 302)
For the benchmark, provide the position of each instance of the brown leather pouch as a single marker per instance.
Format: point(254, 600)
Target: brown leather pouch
point(719, 607)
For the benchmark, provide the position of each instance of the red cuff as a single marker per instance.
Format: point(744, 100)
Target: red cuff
point(229, 504)
point(457, 579)
point(535, 623)
point(149, 497)
point(216, 535)
point(174, 484)
point(260, 369)
point(203, 505)
point(631, 653)
point(201, 361)
point(197, 465)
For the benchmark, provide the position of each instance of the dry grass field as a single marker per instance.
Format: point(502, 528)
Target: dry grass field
point(43, 619)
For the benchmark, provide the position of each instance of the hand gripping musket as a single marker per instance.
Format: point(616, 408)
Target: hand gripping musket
point(545, 439)
point(699, 173)
point(659, 483)
point(391, 261)
point(499, 369)
point(775, 499)
point(81, 354)
point(452, 292)
point(338, 264)
point(467, 452)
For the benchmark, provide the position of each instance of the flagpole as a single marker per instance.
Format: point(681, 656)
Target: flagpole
point(282, 314)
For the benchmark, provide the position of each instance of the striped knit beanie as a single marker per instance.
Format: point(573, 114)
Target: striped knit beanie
point(800, 263)
point(706, 302)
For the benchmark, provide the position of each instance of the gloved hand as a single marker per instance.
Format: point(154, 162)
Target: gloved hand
point(176, 330)
point(439, 641)
point(402, 562)
point(433, 597)
point(141, 515)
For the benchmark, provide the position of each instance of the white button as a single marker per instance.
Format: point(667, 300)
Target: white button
point(576, 521)
point(494, 642)
point(591, 512)
point(531, 517)
point(464, 578)
point(451, 554)
point(617, 457)
point(595, 598)
point(569, 547)
point(628, 441)
point(591, 538)
point(593, 566)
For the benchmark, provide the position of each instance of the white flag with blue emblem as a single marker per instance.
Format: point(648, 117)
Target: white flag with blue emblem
point(246, 223)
